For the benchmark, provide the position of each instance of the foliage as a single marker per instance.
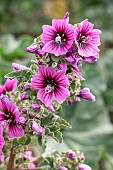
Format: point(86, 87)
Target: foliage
point(92, 122)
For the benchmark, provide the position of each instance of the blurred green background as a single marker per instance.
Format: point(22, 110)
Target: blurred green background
point(21, 21)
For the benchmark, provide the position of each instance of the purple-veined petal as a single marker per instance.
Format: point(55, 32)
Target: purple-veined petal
point(10, 85)
point(46, 98)
point(15, 131)
point(61, 94)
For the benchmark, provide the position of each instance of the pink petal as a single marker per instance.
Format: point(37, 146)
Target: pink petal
point(46, 98)
point(2, 90)
point(61, 78)
point(89, 50)
point(13, 110)
point(59, 24)
point(46, 71)
point(61, 94)
point(48, 33)
point(86, 26)
point(51, 47)
point(37, 82)
point(2, 116)
point(10, 85)
point(15, 131)
point(78, 73)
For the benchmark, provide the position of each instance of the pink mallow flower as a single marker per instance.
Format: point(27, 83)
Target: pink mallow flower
point(87, 39)
point(51, 85)
point(9, 117)
point(37, 128)
point(84, 167)
point(9, 86)
point(86, 94)
point(17, 67)
point(58, 38)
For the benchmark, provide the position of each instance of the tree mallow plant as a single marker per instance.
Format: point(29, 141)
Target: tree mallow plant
point(31, 98)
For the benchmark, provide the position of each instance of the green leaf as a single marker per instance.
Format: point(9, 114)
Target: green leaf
point(39, 139)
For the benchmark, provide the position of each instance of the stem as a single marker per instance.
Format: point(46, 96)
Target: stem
point(10, 164)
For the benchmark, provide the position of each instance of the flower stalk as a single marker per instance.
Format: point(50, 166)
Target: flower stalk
point(10, 164)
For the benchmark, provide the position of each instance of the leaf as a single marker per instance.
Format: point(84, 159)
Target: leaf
point(57, 135)
point(39, 139)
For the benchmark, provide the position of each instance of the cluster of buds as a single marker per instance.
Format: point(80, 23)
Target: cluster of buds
point(52, 79)
point(70, 160)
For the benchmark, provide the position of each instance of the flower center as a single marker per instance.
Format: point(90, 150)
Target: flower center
point(60, 38)
point(84, 40)
point(50, 86)
point(4, 123)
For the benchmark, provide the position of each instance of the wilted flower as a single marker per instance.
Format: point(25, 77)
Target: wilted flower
point(86, 94)
point(17, 67)
point(59, 37)
point(37, 128)
point(84, 167)
point(91, 59)
point(9, 118)
point(51, 85)
point(87, 39)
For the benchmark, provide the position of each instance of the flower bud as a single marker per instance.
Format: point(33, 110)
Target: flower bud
point(38, 117)
point(84, 167)
point(82, 157)
point(32, 48)
point(31, 115)
point(17, 67)
point(87, 95)
point(26, 87)
point(24, 111)
point(36, 107)
point(22, 120)
point(70, 102)
point(72, 155)
point(24, 96)
point(7, 145)
point(37, 128)
point(59, 160)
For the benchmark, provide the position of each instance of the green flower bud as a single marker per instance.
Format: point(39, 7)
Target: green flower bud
point(7, 145)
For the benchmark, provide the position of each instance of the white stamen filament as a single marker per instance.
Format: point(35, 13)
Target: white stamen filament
point(58, 39)
point(4, 123)
point(48, 88)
